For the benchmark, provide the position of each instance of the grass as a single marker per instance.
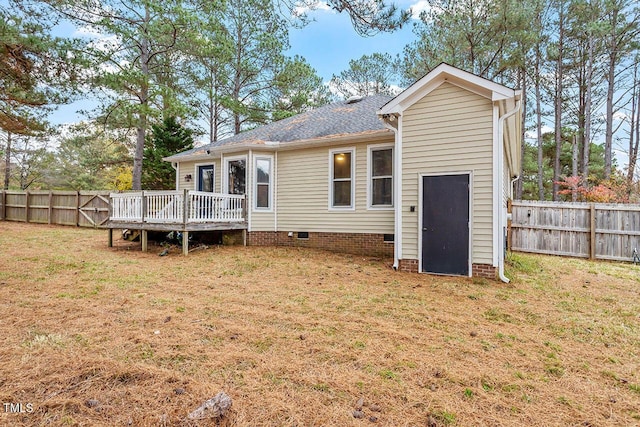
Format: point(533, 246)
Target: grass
point(298, 337)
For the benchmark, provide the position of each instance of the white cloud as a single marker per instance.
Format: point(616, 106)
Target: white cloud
point(88, 31)
point(305, 7)
point(533, 133)
point(419, 7)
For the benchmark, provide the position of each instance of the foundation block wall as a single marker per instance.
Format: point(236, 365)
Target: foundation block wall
point(368, 244)
point(353, 243)
point(477, 270)
point(486, 271)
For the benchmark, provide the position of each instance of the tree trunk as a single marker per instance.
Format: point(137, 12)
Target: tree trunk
point(523, 85)
point(633, 130)
point(608, 134)
point(141, 129)
point(574, 163)
point(558, 102)
point(539, 126)
point(587, 109)
point(7, 162)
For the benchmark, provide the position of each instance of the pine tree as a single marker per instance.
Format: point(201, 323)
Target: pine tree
point(168, 138)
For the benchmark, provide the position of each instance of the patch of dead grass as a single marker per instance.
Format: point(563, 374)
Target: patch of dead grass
point(99, 336)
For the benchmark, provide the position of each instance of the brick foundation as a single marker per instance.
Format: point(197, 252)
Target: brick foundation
point(486, 271)
point(368, 244)
point(477, 270)
point(408, 265)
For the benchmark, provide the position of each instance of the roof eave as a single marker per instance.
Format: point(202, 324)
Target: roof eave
point(214, 152)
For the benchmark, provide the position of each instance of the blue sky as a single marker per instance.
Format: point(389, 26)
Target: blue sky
point(328, 43)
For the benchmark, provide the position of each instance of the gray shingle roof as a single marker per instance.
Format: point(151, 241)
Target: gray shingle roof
point(337, 119)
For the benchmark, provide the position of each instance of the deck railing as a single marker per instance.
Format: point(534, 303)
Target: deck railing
point(173, 207)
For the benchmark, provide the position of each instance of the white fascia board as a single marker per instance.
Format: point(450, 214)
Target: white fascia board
point(440, 74)
point(216, 152)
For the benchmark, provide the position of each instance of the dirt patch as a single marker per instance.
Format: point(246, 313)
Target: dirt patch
point(112, 336)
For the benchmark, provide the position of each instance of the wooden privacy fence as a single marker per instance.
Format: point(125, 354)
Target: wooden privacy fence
point(589, 230)
point(79, 208)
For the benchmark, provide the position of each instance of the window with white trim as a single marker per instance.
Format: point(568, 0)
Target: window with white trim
point(236, 176)
point(342, 175)
point(381, 177)
point(263, 183)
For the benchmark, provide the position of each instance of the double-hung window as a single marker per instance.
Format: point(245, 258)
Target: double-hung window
point(263, 183)
point(380, 176)
point(342, 178)
point(236, 175)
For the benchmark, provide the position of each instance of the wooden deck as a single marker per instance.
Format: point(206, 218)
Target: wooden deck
point(183, 211)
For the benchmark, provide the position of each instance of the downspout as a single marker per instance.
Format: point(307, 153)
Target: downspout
point(275, 193)
point(248, 189)
point(513, 181)
point(176, 167)
point(397, 170)
point(502, 222)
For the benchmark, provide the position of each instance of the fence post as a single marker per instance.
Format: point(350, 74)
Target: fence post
point(78, 208)
point(592, 229)
point(4, 205)
point(50, 212)
point(26, 206)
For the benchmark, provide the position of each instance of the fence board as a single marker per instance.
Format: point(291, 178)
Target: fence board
point(568, 229)
point(83, 209)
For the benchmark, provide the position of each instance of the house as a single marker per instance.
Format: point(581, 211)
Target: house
point(423, 177)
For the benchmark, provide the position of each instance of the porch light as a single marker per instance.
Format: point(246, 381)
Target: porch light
point(340, 157)
point(187, 177)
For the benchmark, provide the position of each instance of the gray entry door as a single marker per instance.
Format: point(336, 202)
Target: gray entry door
point(445, 224)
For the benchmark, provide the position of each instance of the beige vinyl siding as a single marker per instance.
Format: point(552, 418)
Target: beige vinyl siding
point(260, 220)
point(450, 130)
point(303, 194)
point(506, 176)
point(186, 168)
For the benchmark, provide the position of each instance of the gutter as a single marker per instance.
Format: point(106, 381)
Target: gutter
point(501, 218)
point(365, 136)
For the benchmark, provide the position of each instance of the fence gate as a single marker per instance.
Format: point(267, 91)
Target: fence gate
point(93, 209)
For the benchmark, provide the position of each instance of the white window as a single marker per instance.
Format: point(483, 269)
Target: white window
point(380, 167)
point(263, 183)
point(342, 178)
point(236, 175)
point(205, 177)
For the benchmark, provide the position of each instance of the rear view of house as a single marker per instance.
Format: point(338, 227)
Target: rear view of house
point(423, 177)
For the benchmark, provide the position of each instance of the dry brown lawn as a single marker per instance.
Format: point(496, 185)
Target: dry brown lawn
point(95, 336)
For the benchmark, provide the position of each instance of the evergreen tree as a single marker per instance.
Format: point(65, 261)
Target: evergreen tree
point(167, 139)
point(369, 75)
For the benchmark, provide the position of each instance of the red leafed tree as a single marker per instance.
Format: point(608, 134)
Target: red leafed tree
point(612, 190)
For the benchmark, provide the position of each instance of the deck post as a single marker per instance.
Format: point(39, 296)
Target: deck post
point(143, 239)
point(144, 206)
point(185, 243)
point(186, 208)
point(244, 237)
point(110, 237)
